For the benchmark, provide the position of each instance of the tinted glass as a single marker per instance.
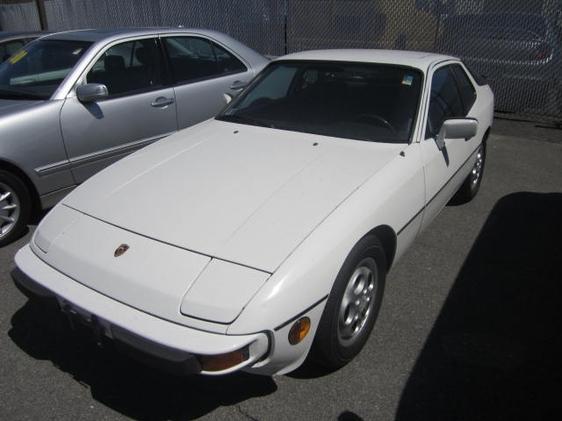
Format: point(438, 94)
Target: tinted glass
point(9, 48)
point(37, 70)
point(468, 94)
point(226, 62)
point(348, 100)
point(196, 58)
point(445, 101)
point(129, 68)
point(190, 58)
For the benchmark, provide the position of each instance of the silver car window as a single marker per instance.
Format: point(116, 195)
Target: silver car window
point(193, 58)
point(129, 68)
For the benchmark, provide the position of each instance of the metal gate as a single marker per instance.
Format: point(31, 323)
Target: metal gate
point(515, 44)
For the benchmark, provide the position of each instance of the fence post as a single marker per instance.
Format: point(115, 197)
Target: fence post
point(42, 14)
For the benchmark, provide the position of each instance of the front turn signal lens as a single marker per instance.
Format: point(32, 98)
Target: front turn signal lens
point(299, 330)
point(223, 362)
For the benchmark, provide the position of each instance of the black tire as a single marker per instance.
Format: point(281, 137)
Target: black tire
point(329, 348)
point(471, 185)
point(17, 188)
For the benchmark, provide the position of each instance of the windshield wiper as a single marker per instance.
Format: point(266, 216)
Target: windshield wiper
point(17, 94)
point(235, 118)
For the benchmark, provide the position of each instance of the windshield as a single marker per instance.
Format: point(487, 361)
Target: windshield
point(371, 102)
point(37, 70)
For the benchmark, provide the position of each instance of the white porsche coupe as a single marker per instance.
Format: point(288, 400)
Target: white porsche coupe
point(264, 235)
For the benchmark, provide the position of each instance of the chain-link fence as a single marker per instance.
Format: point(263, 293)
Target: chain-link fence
point(515, 44)
point(19, 16)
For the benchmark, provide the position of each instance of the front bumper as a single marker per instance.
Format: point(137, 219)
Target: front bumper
point(154, 338)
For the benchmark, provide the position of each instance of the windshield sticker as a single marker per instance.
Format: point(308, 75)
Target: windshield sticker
point(17, 57)
point(77, 51)
point(408, 80)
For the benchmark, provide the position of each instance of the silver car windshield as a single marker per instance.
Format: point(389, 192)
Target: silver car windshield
point(36, 71)
point(372, 102)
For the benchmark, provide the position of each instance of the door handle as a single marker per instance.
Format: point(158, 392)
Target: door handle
point(162, 102)
point(238, 85)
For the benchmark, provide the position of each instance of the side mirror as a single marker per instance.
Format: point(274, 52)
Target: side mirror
point(456, 128)
point(91, 92)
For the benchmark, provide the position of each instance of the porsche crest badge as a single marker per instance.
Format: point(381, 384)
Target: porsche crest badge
point(120, 251)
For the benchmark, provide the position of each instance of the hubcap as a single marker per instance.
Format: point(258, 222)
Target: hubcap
point(357, 304)
point(9, 210)
point(477, 168)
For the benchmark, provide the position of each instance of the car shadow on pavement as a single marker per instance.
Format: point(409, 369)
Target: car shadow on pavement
point(495, 351)
point(120, 383)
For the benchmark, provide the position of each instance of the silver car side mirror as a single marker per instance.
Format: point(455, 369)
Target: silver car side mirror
point(91, 92)
point(456, 128)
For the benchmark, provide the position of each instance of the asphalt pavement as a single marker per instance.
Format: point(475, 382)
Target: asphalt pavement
point(469, 328)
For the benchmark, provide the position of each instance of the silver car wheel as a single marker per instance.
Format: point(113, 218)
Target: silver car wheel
point(476, 172)
point(9, 209)
point(357, 304)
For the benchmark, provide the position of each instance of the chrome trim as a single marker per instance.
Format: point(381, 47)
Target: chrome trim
point(94, 156)
point(52, 168)
point(116, 150)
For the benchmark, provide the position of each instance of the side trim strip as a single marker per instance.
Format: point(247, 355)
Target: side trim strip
point(281, 326)
point(437, 194)
point(106, 153)
point(52, 168)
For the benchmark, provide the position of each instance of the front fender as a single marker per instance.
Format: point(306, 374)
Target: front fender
point(31, 140)
point(391, 197)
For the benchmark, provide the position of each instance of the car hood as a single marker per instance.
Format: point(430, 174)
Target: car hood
point(239, 193)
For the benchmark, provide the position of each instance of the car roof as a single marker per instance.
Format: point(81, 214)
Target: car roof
point(417, 59)
point(110, 34)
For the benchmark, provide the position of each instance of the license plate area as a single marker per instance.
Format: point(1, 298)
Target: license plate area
point(78, 318)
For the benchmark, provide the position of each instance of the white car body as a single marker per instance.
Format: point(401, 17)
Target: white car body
point(235, 231)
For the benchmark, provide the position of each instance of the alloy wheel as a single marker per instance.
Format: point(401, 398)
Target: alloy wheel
point(9, 209)
point(357, 303)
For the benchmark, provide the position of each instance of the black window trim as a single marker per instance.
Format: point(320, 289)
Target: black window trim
point(201, 79)
point(457, 82)
point(439, 66)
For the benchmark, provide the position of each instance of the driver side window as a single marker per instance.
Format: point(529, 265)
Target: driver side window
point(129, 68)
point(445, 101)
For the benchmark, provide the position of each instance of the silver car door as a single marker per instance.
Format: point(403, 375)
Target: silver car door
point(203, 72)
point(139, 109)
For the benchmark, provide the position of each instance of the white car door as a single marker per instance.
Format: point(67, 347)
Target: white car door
point(452, 95)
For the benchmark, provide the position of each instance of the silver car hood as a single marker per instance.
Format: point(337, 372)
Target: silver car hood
point(240, 193)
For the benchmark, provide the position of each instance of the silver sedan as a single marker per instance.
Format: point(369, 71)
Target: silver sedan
point(74, 102)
